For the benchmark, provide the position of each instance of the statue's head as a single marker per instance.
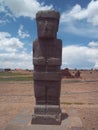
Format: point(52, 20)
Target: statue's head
point(47, 23)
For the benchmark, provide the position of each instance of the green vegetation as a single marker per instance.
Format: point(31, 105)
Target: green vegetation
point(16, 79)
point(71, 81)
point(15, 76)
point(66, 103)
point(12, 73)
point(69, 103)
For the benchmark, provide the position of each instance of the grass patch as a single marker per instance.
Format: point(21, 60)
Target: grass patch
point(78, 103)
point(15, 76)
point(6, 74)
point(69, 103)
point(16, 79)
point(66, 103)
point(71, 81)
point(12, 74)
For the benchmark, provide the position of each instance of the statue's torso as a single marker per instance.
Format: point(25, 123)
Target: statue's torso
point(47, 49)
point(47, 55)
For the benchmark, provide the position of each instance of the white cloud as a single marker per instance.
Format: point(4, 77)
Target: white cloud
point(4, 34)
point(81, 21)
point(93, 44)
point(2, 9)
point(12, 53)
point(2, 21)
point(69, 15)
point(80, 29)
point(78, 13)
point(21, 33)
point(26, 8)
point(96, 65)
point(80, 57)
point(8, 43)
point(16, 60)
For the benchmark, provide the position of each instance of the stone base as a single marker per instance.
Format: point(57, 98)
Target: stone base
point(70, 121)
point(46, 119)
point(47, 114)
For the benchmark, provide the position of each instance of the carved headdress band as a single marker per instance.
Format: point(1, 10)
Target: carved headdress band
point(52, 14)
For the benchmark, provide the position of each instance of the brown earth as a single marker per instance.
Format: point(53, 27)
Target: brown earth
point(80, 94)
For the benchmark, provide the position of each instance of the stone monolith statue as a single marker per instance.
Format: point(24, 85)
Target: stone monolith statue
point(47, 58)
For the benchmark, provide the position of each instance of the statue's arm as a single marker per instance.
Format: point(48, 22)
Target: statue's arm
point(37, 58)
point(54, 61)
point(39, 61)
point(58, 59)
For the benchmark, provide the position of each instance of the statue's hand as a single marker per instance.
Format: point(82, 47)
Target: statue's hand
point(39, 61)
point(54, 61)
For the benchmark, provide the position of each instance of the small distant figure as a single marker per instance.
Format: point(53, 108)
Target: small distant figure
point(77, 74)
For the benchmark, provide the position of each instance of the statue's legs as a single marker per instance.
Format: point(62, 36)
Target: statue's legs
point(47, 109)
point(40, 92)
point(53, 92)
point(47, 93)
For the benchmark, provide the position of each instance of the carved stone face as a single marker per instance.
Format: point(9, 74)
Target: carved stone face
point(47, 27)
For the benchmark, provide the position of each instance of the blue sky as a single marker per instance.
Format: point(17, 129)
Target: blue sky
point(78, 30)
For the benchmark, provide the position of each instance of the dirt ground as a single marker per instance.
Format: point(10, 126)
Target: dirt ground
point(80, 94)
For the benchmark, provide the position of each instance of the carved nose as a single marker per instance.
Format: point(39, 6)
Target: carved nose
point(46, 23)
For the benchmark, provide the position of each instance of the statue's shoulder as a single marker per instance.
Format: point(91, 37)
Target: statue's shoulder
point(35, 42)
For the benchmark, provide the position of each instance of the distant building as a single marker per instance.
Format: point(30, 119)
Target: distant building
point(7, 69)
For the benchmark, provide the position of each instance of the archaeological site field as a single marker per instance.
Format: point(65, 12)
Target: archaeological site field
point(16, 95)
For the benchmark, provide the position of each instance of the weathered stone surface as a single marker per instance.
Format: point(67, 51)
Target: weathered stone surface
point(45, 94)
point(40, 109)
point(47, 109)
point(47, 23)
point(48, 14)
point(48, 119)
point(47, 76)
point(47, 114)
point(50, 61)
point(47, 58)
point(54, 61)
point(39, 61)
